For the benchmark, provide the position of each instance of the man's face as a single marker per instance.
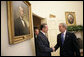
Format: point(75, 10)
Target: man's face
point(46, 29)
point(21, 11)
point(61, 28)
point(36, 31)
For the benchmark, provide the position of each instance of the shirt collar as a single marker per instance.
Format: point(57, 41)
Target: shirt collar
point(21, 18)
point(43, 32)
point(64, 32)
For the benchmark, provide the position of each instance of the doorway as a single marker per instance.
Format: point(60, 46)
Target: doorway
point(37, 21)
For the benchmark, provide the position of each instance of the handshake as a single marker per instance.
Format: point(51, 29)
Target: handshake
point(53, 48)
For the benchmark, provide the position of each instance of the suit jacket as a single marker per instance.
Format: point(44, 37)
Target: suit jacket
point(43, 48)
point(35, 43)
point(19, 28)
point(70, 45)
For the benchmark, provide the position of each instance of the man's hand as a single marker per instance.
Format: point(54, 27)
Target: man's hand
point(53, 49)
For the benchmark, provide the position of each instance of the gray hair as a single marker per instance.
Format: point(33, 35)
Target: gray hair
point(64, 25)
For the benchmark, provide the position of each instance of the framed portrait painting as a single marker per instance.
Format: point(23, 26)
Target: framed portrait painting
point(19, 21)
point(70, 18)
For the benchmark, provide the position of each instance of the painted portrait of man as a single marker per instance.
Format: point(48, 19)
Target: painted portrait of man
point(21, 22)
point(70, 19)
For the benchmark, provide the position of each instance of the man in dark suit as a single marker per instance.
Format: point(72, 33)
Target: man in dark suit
point(20, 25)
point(43, 48)
point(36, 32)
point(67, 42)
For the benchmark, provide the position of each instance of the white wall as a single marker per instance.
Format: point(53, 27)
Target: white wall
point(25, 48)
point(57, 8)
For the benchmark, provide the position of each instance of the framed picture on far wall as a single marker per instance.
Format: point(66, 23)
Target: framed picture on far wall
point(70, 18)
point(19, 21)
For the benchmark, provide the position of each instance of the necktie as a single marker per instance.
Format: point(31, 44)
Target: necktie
point(62, 38)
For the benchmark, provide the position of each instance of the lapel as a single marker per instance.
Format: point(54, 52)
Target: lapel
point(66, 37)
point(43, 35)
point(44, 38)
point(22, 23)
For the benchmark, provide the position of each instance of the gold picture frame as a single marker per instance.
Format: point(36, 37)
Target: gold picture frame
point(19, 21)
point(70, 18)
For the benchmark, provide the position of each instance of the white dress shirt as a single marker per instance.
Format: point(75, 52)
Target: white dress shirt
point(22, 21)
point(64, 34)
